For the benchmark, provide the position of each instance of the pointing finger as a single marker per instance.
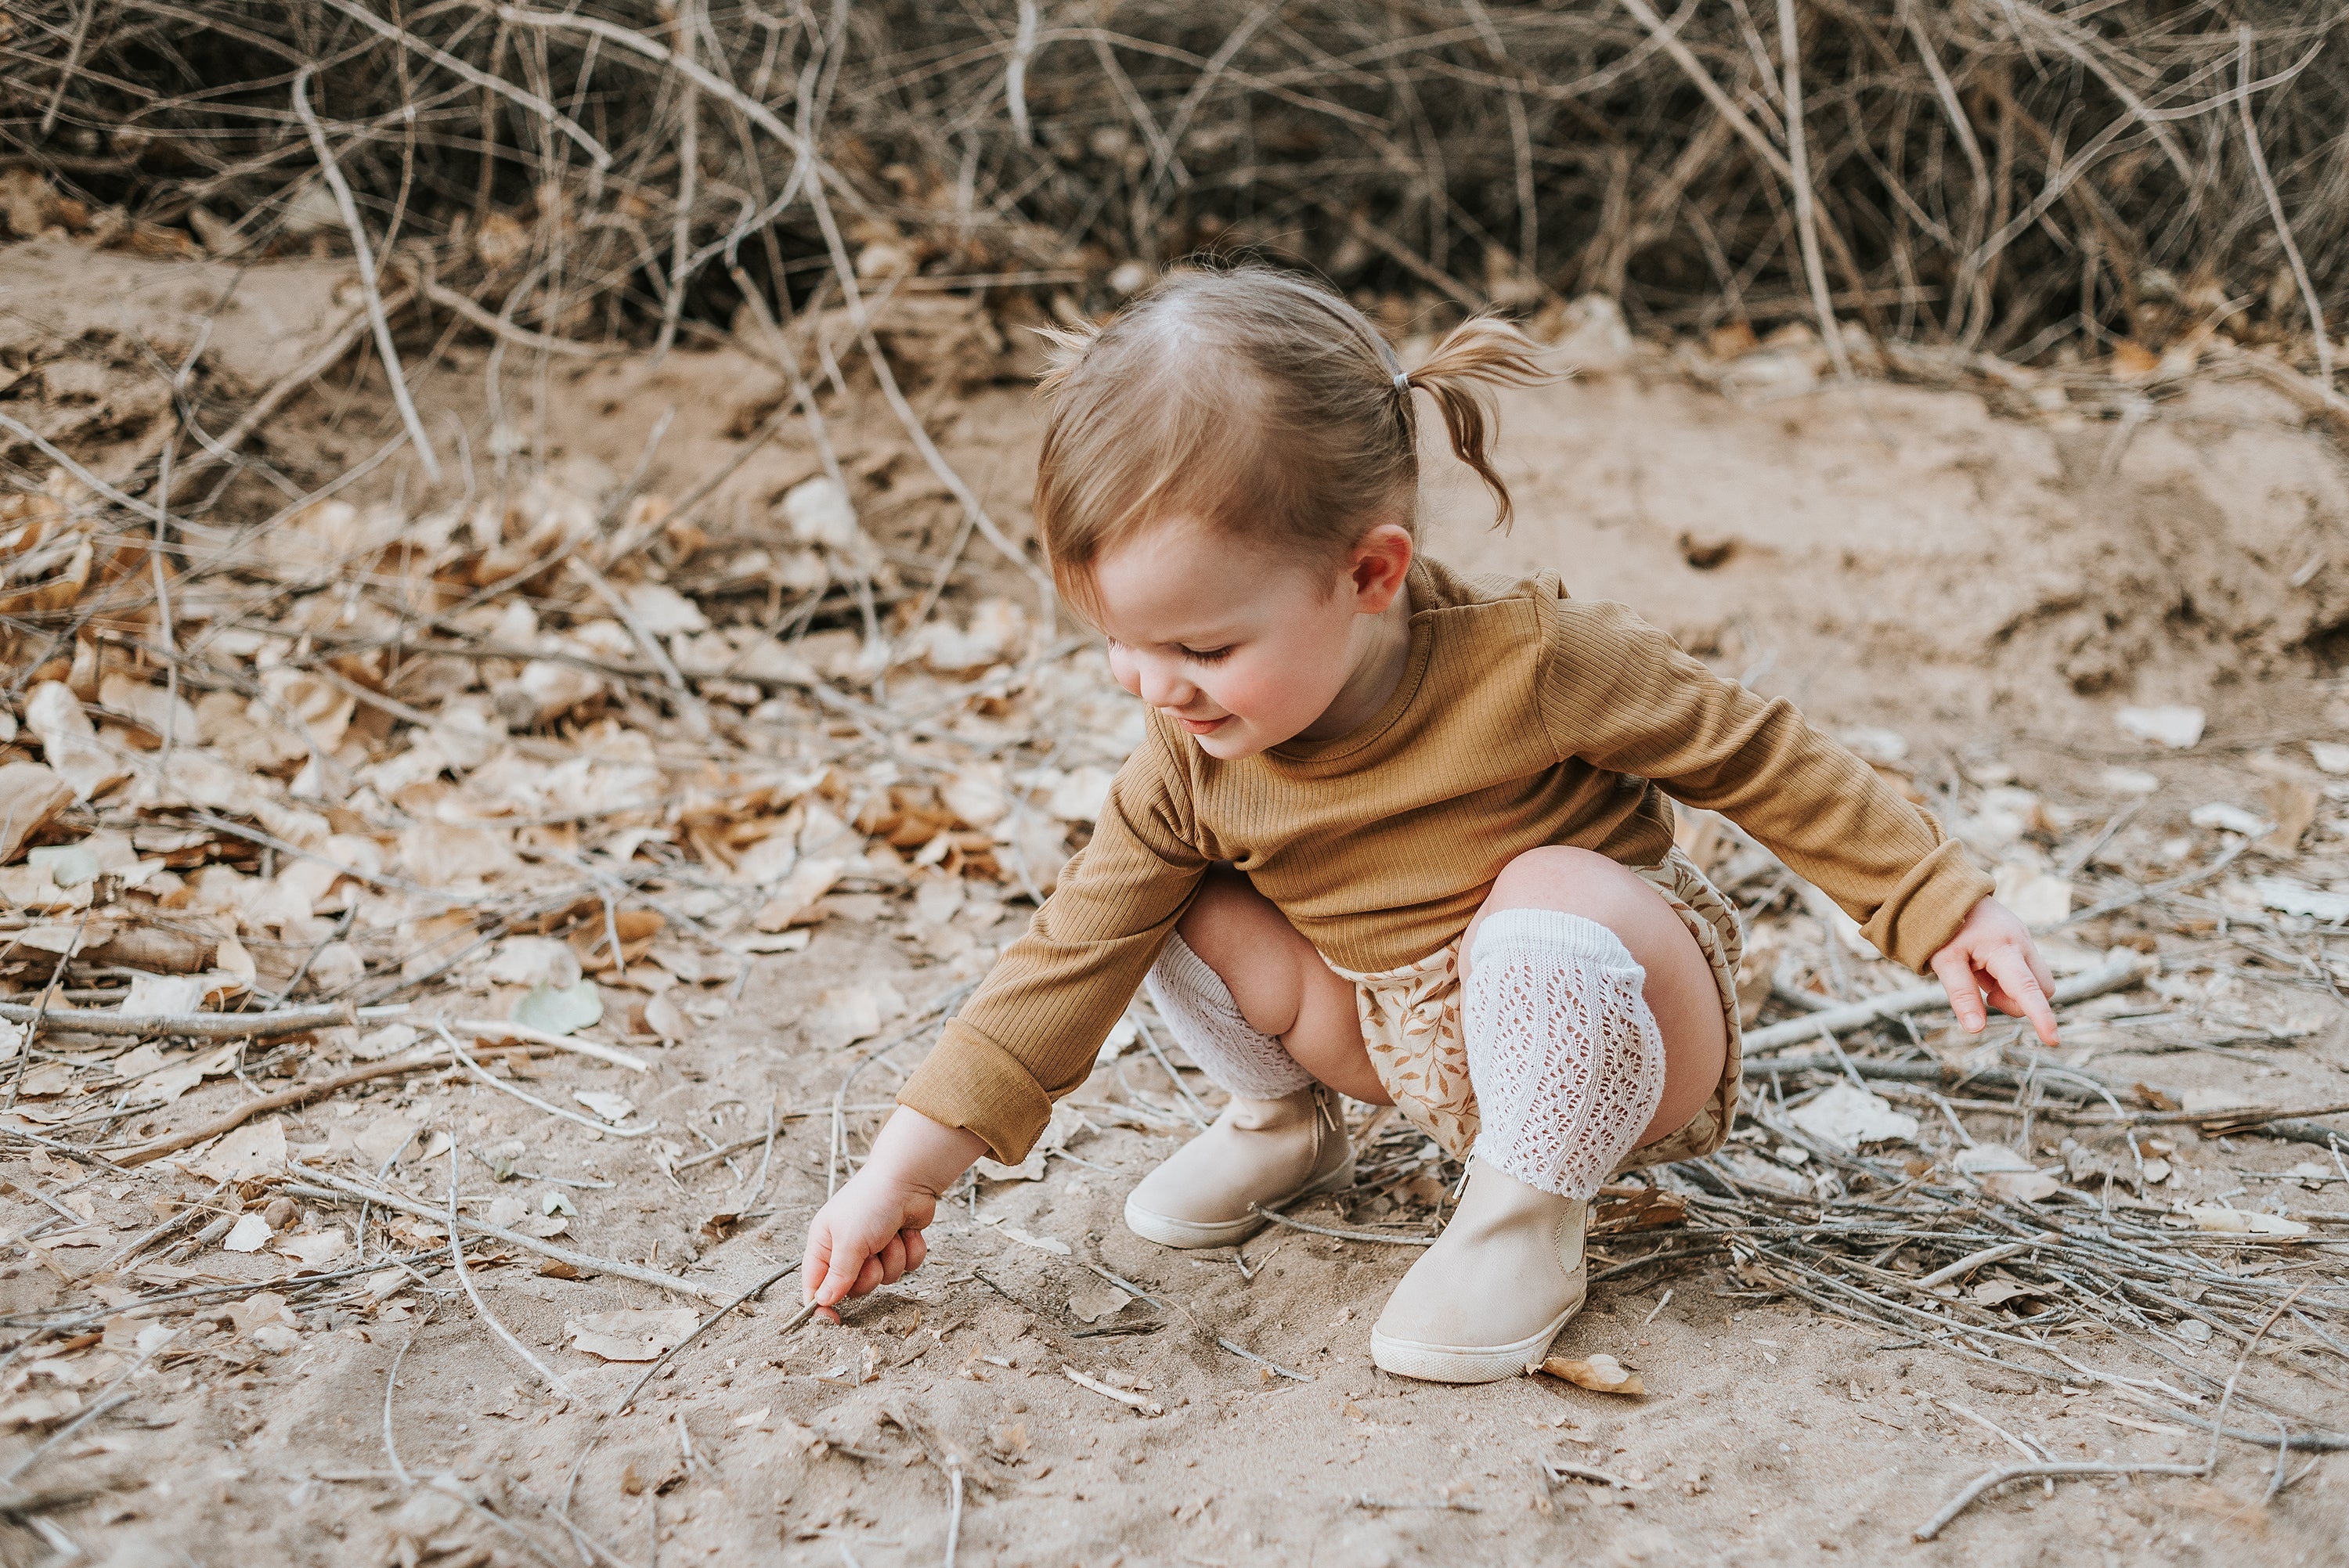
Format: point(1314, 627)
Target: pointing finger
point(2008, 966)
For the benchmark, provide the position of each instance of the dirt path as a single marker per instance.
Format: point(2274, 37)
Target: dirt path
point(1991, 592)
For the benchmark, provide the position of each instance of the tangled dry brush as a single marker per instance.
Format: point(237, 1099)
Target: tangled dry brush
point(2026, 178)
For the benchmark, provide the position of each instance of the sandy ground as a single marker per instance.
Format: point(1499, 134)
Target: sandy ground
point(1893, 558)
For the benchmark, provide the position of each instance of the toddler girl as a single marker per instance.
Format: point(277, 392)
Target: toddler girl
point(1392, 833)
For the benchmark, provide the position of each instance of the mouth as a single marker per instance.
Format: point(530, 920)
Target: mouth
point(1202, 725)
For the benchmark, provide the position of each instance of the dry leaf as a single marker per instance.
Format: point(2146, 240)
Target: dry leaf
point(2038, 898)
point(532, 961)
point(2020, 1186)
point(664, 1017)
point(382, 1140)
point(795, 940)
point(388, 1041)
point(1997, 1292)
point(1601, 1373)
point(796, 901)
point(612, 1107)
point(1057, 1247)
point(315, 1249)
point(2289, 897)
point(30, 794)
point(2294, 806)
point(39, 1409)
point(69, 742)
point(1847, 1117)
point(2132, 361)
point(1097, 1301)
point(34, 887)
point(249, 1235)
point(256, 1149)
point(1626, 1209)
point(975, 797)
point(631, 1334)
point(2219, 1218)
point(163, 996)
point(2220, 817)
point(844, 1015)
point(818, 512)
point(261, 1307)
point(561, 1011)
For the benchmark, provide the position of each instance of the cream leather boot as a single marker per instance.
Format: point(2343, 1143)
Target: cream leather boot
point(1259, 1151)
point(1493, 1292)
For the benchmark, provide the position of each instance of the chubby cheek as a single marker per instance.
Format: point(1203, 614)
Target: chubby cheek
point(1121, 670)
point(1272, 694)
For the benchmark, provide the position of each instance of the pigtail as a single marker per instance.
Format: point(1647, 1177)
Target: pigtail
point(1480, 352)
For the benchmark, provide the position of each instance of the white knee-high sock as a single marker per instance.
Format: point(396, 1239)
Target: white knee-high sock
point(1237, 1057)
point(1564, 1055)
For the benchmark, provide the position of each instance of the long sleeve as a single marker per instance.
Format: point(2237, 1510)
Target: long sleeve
point(1617, 693)
point(1032, 1030)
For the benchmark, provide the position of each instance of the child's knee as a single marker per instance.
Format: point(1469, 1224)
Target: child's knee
point(1242, 937)
point(1575, 881)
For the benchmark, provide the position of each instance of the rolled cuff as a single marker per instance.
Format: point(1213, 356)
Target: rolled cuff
point(969, 1082)
point(1927, 907)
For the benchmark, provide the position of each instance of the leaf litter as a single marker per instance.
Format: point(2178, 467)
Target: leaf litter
point(501, 818)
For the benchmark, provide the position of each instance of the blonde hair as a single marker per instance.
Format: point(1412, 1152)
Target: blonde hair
point(1258, 403)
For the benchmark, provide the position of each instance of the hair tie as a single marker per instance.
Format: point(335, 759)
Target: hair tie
point(1394, 365)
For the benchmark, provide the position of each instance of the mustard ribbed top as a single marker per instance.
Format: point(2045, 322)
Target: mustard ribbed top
point(1523, 718)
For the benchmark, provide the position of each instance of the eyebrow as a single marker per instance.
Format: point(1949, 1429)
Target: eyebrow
point(1222, 638)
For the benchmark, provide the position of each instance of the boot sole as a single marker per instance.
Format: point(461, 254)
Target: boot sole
point(1466, 1363)
point(1188, 1234)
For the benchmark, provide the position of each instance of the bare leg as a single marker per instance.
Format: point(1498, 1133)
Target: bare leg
point(1680, 989)
point(1280, 983)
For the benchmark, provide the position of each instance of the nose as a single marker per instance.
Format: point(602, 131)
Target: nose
point(1162, 686)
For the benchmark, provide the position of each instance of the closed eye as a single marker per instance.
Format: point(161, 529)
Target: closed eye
point(1207, 656)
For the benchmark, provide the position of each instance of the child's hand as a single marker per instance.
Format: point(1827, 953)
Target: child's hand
point(870, 1233)
point(1993, 952)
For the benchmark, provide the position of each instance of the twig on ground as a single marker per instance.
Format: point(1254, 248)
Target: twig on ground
point(205, 1026)
point(487, 1077)
point(552, 1378)
point(1280, 1219)
point(2114, 975)
point(1111, 1391)
point(1991, 1480)
point(342, 1186)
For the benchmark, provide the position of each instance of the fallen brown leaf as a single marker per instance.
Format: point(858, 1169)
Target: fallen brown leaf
point(1601, 1373)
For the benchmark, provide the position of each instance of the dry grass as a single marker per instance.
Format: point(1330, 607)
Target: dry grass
point(2004, 176)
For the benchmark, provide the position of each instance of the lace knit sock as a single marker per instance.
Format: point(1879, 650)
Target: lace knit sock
point(1564, 1055)
point(1236, 1056)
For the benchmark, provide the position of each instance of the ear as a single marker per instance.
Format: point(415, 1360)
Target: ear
point(1376, 566)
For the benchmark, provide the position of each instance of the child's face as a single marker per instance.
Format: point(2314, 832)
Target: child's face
point(1242, 647)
